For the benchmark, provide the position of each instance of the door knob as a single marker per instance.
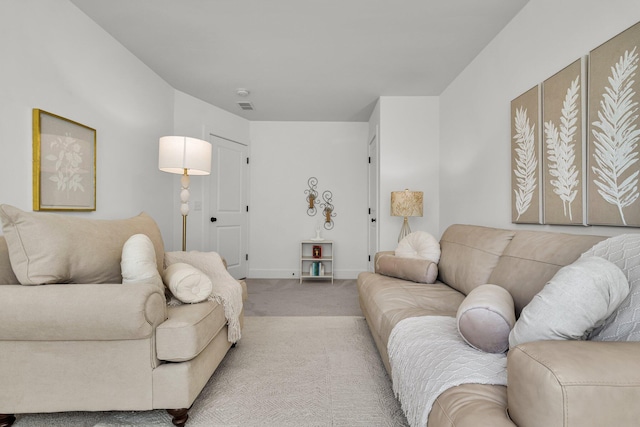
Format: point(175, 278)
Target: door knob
point(214, 219)
point(373, 220)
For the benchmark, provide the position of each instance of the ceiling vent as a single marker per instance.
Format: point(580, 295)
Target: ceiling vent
point(247, 106)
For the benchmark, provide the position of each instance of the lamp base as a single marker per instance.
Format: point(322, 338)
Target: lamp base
point(404, 230)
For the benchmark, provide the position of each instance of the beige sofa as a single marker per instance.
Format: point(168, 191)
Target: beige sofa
point(550, 383)
point(85, 341)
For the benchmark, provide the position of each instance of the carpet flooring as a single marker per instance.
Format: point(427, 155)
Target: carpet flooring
point(287, 371)
point(289, 297)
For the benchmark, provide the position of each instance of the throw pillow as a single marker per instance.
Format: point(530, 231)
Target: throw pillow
point(55, 248)
point(624, 323)
point(416, 270)
point(486, 317)
point(139, 262)
point(576, 300)
point(419, 244)
point(187, 283)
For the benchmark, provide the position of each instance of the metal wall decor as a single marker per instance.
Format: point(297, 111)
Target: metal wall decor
point(312, 195)
point(325, 204)
point(327, 209)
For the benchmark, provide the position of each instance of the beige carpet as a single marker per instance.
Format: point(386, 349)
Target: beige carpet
point(289, 297)
point(285, 372)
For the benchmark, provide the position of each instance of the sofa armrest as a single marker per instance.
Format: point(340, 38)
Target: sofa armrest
point(574, 383)
point(80, 312)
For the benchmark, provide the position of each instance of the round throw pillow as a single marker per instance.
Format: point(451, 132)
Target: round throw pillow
point(187, 283)
point(419, 244)
point(486, 317)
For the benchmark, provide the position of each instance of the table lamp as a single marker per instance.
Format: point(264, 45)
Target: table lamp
point(406, 203)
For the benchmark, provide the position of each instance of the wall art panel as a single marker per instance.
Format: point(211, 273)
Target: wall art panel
point(614, 131)
point(563, 109)
point(526, 205)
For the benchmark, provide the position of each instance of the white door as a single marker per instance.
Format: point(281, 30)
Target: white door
point(228, 209)
point(373, 199)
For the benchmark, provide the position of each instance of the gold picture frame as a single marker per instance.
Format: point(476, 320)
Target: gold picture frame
point(64, 164)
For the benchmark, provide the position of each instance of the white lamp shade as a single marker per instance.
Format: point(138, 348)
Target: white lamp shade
point(178, 153)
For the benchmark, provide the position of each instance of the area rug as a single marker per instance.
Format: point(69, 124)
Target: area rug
point(284, 372)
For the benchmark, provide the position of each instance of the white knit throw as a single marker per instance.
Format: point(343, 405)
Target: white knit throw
point(428, 356)
point(226, 290)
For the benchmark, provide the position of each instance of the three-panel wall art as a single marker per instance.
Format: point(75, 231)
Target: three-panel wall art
point(574, 141)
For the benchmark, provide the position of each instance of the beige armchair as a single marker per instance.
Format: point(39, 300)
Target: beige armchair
point(83, 341)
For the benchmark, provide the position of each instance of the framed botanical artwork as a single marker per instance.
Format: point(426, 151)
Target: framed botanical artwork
point(563, 109)
point(64, 164)
point(526, 205)
point(614, 131)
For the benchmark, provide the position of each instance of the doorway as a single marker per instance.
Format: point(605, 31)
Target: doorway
point(228, 206)
point(373, 199)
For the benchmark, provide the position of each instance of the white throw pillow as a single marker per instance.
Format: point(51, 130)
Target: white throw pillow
point(138, 263)
point(577, 299)
point(419, 244)
point(187, 283)
point(486, 317)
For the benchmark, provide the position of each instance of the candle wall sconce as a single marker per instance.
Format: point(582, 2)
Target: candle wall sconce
point(312, 195)
point(325, 205)
point(327, 210)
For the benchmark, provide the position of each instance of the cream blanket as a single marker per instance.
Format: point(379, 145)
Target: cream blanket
point(428, 356)
point(226, 290)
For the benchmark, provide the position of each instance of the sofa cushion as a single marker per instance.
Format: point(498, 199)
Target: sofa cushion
point(469, 255)
point(486, 317)
point(533, 258)
point(7, 277)
point(624, 323)
point(188, 330)
point(139, 262)
point(419, 244)
point(386, 301)
point(187, 283)
point(414, 269)
point(577, 299)
point(55, 248)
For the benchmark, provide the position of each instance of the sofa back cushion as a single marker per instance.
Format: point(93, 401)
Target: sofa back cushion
point(54, 248)
point(7, 277)
point(533, 258)
point(469, 254)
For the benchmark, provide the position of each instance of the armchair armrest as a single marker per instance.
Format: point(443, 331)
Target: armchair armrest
point(64, 312)
point(574, 383)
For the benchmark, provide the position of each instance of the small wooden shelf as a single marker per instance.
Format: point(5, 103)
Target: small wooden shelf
point(307, 259)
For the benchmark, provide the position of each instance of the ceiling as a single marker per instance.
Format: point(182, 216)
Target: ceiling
point(304, 60)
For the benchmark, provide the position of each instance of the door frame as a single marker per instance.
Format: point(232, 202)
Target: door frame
point(374, 144)
point(207, 190)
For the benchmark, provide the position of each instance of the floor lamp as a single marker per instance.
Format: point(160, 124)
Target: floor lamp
point(185, 156)
point(406, 203)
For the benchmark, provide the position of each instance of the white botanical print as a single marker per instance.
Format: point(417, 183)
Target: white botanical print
point(616, 136)
point(561, 151)
point(68, 159)
point(526, 161)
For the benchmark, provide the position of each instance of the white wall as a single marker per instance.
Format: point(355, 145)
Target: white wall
point(57, 59)
point(198, 119)
point(543, 38)
point(284, 155)
point(409, 138)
